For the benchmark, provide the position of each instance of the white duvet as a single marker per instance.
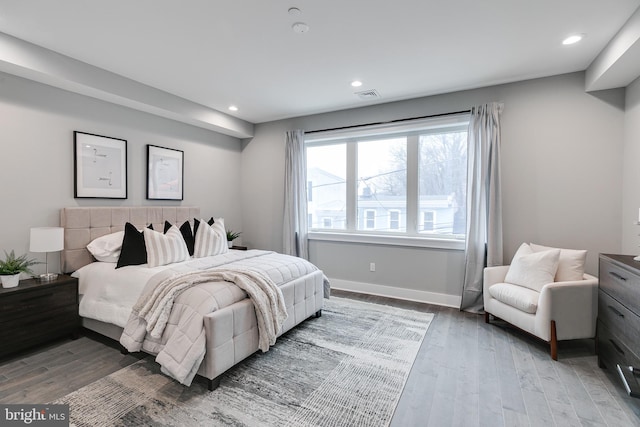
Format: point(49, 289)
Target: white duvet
point(108, 294)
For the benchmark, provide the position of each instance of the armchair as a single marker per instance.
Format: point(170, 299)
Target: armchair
point(553, 311)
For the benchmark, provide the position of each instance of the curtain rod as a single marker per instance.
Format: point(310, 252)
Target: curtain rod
point(389, 122)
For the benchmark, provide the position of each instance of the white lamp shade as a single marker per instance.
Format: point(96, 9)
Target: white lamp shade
point(46, 239)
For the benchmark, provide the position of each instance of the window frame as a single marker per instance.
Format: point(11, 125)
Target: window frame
point(412, 130)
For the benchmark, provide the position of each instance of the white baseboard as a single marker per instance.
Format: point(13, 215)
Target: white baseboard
point(395, 292)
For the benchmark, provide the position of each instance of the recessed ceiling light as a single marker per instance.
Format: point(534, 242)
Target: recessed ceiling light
point(356, 83)
point(300, 27)
point(233, 108)
point(294, 11)
point(572, 39)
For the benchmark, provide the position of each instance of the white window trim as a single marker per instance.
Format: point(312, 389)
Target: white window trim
point(411, 237)
point(388, 240)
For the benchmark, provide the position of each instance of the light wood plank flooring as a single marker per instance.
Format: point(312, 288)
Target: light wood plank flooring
point(467, 373)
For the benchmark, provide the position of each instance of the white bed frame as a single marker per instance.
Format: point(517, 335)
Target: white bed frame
point(231, 332)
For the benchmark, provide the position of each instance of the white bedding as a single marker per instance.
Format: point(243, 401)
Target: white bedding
point(108, 294)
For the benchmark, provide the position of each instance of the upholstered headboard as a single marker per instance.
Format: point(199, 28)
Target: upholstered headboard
point(82, 225)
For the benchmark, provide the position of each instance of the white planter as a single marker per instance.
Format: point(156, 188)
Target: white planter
point(10, 281)
point(229, 243)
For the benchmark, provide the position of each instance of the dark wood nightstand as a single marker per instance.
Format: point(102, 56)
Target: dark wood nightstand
point(239, 248)
point(35, 312)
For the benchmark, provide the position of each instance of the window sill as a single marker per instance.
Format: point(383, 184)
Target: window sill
point(408, 241)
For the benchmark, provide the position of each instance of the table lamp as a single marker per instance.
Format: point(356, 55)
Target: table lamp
point(47, 239)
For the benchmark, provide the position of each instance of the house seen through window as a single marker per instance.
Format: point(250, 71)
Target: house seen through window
point(405, 179)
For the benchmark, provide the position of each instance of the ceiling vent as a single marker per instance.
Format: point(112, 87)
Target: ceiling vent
point(368, 94)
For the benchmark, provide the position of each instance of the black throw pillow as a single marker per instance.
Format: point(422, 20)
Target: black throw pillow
point(188, 237)
point(134, 251)
point(187, 234)
point(196, 224)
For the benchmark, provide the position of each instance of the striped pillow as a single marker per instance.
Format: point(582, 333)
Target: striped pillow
point(210, 239)
point(163, 249)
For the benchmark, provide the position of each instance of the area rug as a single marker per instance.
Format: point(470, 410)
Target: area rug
point(346, 368)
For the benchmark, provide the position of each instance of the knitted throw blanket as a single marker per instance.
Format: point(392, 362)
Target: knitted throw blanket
point(151, 313)
point(155, 305)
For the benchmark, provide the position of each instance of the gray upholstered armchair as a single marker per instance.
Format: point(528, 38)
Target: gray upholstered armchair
point(544, 292)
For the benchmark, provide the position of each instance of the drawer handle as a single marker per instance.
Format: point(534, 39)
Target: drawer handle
point(617, 276)
point(627, 375)
point(615, 311)
point(38, 297)
point(616, 346)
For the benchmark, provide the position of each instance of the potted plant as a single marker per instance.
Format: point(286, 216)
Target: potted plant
point(12, 266)
point(231, 236)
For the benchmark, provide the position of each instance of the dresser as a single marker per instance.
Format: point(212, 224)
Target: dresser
point(618, 330)
point(35, 312)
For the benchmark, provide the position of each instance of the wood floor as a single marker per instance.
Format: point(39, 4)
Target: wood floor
point(467, 373)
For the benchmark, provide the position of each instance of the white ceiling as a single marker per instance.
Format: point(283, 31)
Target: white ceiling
point(244, 52)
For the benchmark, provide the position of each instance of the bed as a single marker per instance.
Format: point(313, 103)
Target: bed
point(230, 331)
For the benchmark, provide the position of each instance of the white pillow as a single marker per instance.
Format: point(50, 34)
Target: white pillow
point(107, 248)
point(163, 249)
point(571, 264)
point(210, 239)
point(531, 269)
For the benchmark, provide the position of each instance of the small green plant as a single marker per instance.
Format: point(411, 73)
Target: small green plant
point(14, 265)
point(232, 235)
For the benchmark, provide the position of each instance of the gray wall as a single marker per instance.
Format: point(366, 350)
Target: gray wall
point(36, 152)
point(563, 154)
point(562, 151)
point(631, 168)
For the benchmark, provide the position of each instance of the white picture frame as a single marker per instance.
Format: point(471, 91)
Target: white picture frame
point(100, 166)
point(165, 173)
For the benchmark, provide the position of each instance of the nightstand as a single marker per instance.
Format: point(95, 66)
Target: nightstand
point(239, 248)
point(35, 312)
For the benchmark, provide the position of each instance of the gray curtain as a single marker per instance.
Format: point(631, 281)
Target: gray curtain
point(295, 195)
point(484, 202)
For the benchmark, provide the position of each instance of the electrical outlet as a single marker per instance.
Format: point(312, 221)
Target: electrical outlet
point(372, 266)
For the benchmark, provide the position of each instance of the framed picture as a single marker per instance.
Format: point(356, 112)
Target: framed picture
point(165, 173)
point(100, 166)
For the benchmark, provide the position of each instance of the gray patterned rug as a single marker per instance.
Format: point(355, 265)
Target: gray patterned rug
point(346, 368)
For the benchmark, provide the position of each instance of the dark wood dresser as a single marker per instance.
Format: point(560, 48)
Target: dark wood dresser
point(35, 312)
point(618, 331)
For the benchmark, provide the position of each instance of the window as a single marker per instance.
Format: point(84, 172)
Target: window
point(382, 178)
point(442, 181)
point(369, 219)
point(406, 179)
point(326, 178)
point(427, 221)
point(394, 220)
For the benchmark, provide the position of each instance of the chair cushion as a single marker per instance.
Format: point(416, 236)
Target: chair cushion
point(519, 297)
point(570, 265)
point(531, 269)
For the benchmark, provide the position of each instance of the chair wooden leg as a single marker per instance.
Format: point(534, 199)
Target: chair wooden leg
point(486, 317)
point(554, 341)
